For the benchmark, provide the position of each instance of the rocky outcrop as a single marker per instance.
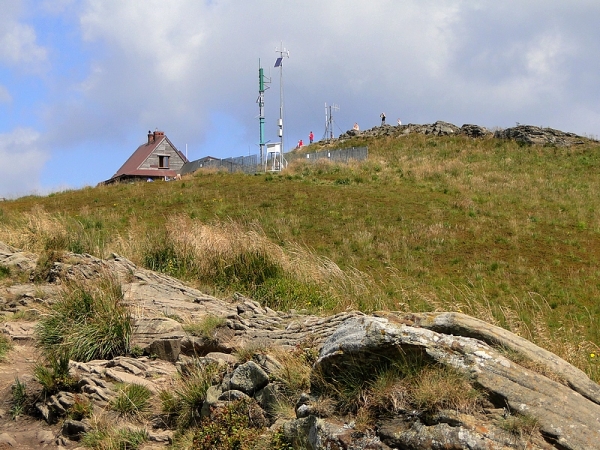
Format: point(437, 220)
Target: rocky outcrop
point(532, 135)
point(518, 378)
point(525, 134)
point(438, 128)
point(369, 340)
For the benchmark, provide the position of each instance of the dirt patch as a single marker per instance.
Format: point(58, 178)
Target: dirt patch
point(23, 432)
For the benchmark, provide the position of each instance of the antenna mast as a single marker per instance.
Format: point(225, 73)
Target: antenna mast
point(262, 80)
point(329, 120)
point(283, 53)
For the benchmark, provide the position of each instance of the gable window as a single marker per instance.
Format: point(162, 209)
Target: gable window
point(163, 162)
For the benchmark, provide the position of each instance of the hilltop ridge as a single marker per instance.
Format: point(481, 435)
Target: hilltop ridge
point(525, 134)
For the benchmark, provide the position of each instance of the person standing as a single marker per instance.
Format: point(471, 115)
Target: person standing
point(311, 136)
point(382, 115)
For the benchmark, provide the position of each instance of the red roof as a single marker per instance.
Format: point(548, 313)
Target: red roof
point(131, 166)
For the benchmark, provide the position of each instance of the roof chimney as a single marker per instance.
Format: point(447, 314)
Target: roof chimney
point(150, 137)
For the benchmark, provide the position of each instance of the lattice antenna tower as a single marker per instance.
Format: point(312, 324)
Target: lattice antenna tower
point(283, 53)
point(329, 121)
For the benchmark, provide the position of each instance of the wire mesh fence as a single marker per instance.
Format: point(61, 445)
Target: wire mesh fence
point(251, 163)
point(342, 155)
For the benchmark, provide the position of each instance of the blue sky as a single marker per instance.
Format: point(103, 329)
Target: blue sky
point(82, 81)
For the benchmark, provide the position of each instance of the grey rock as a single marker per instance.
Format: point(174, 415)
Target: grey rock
point(224, 357)
point(229, 396)
point(163, 436)
point(248, 378)
point(269, 397)
point(532, 135)
point(474, 131)
point(304, 399)
point(212, 397)
point(74, 429)
point(47, 412)
point(45, 437)
point(417, 436)
point(66, 399)
point(125, 377)
point(368, 339)
point(267, 362)
point(166, 348)
point(317, 434)
point(303, 411)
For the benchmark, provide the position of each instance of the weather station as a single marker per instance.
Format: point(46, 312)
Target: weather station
point(272, 160)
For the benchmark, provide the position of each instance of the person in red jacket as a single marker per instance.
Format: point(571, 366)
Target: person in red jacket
point(311, 136)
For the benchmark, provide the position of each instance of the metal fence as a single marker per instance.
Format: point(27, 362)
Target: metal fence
point(246, 164)
point(250, 164)
point(343, 155)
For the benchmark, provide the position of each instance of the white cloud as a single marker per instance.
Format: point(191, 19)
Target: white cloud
point(172, 65)
point(18, 46)
point(23, 161)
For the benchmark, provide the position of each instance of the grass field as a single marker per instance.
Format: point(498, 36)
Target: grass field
point(501, 231)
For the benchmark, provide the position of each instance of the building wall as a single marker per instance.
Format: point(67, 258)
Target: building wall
point(164, 148)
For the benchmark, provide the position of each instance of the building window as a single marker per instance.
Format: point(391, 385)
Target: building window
point(163, 162)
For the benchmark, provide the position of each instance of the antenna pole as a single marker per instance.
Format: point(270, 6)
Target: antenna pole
point(329, 120)
point(262, 80)
point(283, 53)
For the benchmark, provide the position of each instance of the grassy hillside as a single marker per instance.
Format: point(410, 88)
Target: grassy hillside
point(504, 232)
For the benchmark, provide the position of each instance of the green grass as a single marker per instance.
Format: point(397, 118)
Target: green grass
point(105, 437)
point(184, 402)
point(503, 232)
point(89, 322)
point(5, 347)
point(20, 399)
point(407, 382)
point(230, 427)
point(132, 400)
point(205, 328)
point(53, 374)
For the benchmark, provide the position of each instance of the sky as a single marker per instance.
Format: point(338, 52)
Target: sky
point(83, 81)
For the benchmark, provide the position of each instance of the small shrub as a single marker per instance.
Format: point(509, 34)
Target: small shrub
point(131, 400)
point(5, 346)
point(342, 181)
point(82, 408)
point(185, 401)
point(408, 382)
point(442, 387)
point(284, 293)
point(25, 315)
point(88, 322)
point(206, 328)
point(105, 437)
point(246, 353)
point(4, 271)
point(520, 425)
point(54, 374)
point(231, 427)
point(278, 441)
point(19, 398)
point(45, 264)
point(247, 270)
point(294, 372)
point(136, 351)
